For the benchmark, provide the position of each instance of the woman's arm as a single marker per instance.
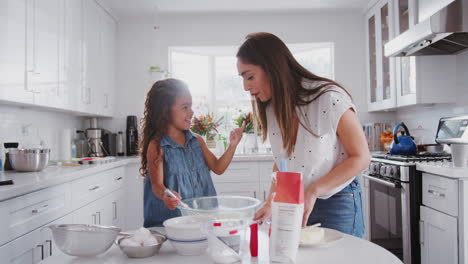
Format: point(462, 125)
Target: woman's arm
point(156, 172)
point(263, 213)
point(220, 165)
point(352, 138)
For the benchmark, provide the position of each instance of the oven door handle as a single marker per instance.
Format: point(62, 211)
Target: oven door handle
point(383, 182)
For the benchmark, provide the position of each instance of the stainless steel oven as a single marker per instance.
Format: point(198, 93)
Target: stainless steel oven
point(392, 188)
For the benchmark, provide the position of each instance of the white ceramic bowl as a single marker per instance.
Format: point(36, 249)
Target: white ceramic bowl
point(185, 234)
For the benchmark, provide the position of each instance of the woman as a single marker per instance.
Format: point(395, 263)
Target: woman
point(311, 122)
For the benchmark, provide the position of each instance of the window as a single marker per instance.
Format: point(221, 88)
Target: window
point(213, 80)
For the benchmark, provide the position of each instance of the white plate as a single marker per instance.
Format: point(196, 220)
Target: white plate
point(330, 237)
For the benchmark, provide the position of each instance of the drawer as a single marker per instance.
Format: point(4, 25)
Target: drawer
point(91, 188)
point(23, 214)
point(238, 172)
point(440, 193)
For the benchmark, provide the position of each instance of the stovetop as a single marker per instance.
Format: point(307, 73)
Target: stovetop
point(414, 158)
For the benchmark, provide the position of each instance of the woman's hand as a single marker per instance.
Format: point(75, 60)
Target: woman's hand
point(309, 201)
point(263, 213)
point(170, 202)
point(236, 135)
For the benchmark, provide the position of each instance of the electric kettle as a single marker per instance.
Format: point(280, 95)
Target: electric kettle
point(403, 144)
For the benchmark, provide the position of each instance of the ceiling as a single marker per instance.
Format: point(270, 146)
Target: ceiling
point(126, 8)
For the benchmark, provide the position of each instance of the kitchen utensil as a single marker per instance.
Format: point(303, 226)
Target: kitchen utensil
point(402, 144)
point(431, 148)
point(142, 251)
point(254, 239)
point(171, 194)
point(29, 160)
point(84, 240)
point(185, 235)
point(8, 146)
point(232, 207)
point(6, 182)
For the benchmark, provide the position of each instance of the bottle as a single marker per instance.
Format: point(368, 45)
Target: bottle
point(73, 150)
point(120, 144)
point(132, 136)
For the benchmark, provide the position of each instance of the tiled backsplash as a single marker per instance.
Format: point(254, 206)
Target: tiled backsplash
point(30, 126)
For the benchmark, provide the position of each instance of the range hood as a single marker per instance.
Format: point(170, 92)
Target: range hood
point(443, 32)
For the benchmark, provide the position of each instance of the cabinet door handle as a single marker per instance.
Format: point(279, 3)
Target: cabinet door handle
point(119, 178)
point(115, 210)
point(50, 246)
point(421, 232)
point(42, 251)
point(94, 219)
point(264, 195)
point(99, 217)
point(436, 193)
point(40, 209)
point(255, 194)
point(94, 188)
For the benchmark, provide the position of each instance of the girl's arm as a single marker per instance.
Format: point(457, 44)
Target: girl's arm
point(155, 157)
point(220, 165)
point(350, 134)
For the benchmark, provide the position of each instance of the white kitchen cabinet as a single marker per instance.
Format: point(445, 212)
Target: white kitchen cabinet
point(42, 51)
point(12, 52)
point(107, 51)
point(26, 249)
point(71, 52)
point(114, 209)
point(380, 69)
point(245, 178)
point(439, 238)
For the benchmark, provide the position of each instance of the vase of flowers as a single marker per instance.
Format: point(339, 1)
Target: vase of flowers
point(250, 144)
point(207, 127)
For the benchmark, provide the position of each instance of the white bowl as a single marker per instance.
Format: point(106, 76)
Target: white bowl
point(185, 234)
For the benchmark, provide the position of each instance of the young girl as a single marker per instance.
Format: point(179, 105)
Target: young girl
point(172, 157)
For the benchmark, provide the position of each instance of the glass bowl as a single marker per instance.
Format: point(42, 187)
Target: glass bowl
point(221, 207)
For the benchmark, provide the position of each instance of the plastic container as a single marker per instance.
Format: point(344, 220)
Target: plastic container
point(221, 207)
point(227, 240)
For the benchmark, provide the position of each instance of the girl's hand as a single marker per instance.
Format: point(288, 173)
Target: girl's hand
point(236, 135)
point(170, 202)
point(309, 202)
point(263, 213)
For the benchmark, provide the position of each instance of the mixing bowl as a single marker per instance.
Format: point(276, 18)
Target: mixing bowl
point(185, 234)
point(29, 160)
point(221, 207)
point(84, 240)
point(143, 251)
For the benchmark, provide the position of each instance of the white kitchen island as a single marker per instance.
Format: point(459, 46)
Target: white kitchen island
point(347, 250)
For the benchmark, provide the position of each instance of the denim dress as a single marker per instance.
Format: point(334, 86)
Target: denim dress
point(185, 171)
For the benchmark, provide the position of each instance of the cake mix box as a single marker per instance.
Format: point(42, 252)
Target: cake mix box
point(286, 217)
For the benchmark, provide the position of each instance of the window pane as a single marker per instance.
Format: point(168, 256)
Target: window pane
point(317, 60)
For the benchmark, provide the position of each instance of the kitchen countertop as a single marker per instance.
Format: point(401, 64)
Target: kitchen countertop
point(443, 169)
point(26, 182)
point(347, 250)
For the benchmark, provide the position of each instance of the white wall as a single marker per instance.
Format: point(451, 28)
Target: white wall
point(427, 117)
point(29, 126)
point(139, 46)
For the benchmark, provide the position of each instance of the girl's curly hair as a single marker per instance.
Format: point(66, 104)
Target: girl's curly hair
point(157, 115)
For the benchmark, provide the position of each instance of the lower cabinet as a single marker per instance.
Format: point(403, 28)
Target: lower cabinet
point(439, 237)
point(32, 247)
point(245, 178)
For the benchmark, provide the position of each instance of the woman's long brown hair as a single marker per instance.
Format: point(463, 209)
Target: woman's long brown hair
point(286, 75)
point(157, 115)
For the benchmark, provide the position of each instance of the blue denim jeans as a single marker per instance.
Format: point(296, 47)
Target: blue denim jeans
point(342, 211)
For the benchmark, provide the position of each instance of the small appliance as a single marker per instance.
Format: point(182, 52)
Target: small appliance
point(93, 134)
point(453, 131)
point(132, 136)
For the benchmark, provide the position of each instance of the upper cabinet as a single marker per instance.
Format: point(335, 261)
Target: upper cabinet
point(380, 70)
point(12, 52)
point(402, 81)
point(57, 54)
